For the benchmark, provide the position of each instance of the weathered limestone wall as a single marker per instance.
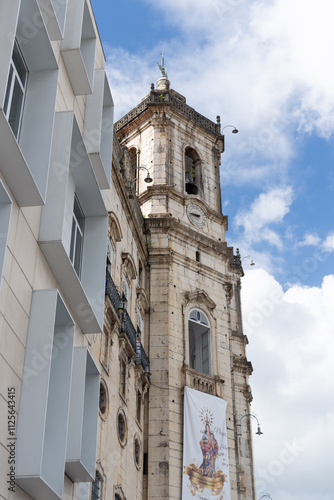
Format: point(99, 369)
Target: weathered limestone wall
point(174, 274)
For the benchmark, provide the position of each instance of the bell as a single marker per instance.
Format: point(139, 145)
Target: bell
point(191, 188)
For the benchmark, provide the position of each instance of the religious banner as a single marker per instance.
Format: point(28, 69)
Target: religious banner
point(205, 450)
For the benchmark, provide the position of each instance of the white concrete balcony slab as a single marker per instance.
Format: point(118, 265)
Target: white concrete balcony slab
point(54, 13)
point(71, 175)
point(5, 211)
point(78, 47)
point(83, 418)
point(45, 398)
point(24, 160)
point(98, 128)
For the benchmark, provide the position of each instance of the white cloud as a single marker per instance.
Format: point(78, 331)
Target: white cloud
point(263, 65)
point(273, 54)
point(328, 244)
point(310, 240)
point(130, 77)
point(269, 208)
point(291, 347)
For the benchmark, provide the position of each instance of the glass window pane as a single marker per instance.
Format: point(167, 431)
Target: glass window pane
point(77, 210)
point(205, 367)
point(19, 65)
point(78, 251)
point(16, 107)
point(205, 352)
point(199, 317)
point(72, 239)
point(9, 85)
point(193, 315)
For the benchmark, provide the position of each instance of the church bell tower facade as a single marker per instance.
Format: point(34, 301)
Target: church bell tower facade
point(195, 338)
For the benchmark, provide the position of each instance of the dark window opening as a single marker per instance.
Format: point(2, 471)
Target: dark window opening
point(96, 488)
point(192, 173)
point(138, 412)
point(123, 377)
point(121, 427)
point(103, 399)
point(145, 464)
point(137, 451)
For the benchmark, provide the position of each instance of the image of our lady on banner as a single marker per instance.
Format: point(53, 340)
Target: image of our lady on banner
point(206, 474)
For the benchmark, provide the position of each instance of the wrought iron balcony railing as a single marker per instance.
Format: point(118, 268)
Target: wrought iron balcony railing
point(112, 293)
point(126, 324)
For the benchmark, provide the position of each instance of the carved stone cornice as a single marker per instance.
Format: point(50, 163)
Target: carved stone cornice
point(173, 194)
point(162, 98)
point(242, 365)
point(165, 223)
point(199, 297)
point(239, 336)
point(160, 257)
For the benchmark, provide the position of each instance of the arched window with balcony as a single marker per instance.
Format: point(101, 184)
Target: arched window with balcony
point(199, 341)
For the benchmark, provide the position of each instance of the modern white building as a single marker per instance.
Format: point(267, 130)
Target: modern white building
point(56, 130)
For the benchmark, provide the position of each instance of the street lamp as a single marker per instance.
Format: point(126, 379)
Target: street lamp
point(266, 495)
point(148, 179)
point(234, 131)
point(252, 263)
point(259, 432)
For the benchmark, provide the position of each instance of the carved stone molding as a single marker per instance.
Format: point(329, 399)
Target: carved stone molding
point(242, 365)
point(118, 490)
point(247, 392)
point(142, 299)
point(160, 257)
point(111, 317)
point(114, 228)
point(125, 347)
point(168, 97)
point(129, 265)
point(199, 297)
point(229, 291)
point(239, 336)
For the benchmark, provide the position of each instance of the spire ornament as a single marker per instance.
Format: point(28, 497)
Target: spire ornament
point(162, 66)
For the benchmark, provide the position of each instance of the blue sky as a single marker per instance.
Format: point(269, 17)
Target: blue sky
point(264, 66)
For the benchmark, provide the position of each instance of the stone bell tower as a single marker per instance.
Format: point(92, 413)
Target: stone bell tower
point(195, 335)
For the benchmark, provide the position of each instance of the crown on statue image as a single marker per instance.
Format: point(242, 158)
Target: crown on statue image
point(206, 416)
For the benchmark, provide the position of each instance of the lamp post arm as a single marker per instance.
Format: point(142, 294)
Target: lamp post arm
point(259, 432)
